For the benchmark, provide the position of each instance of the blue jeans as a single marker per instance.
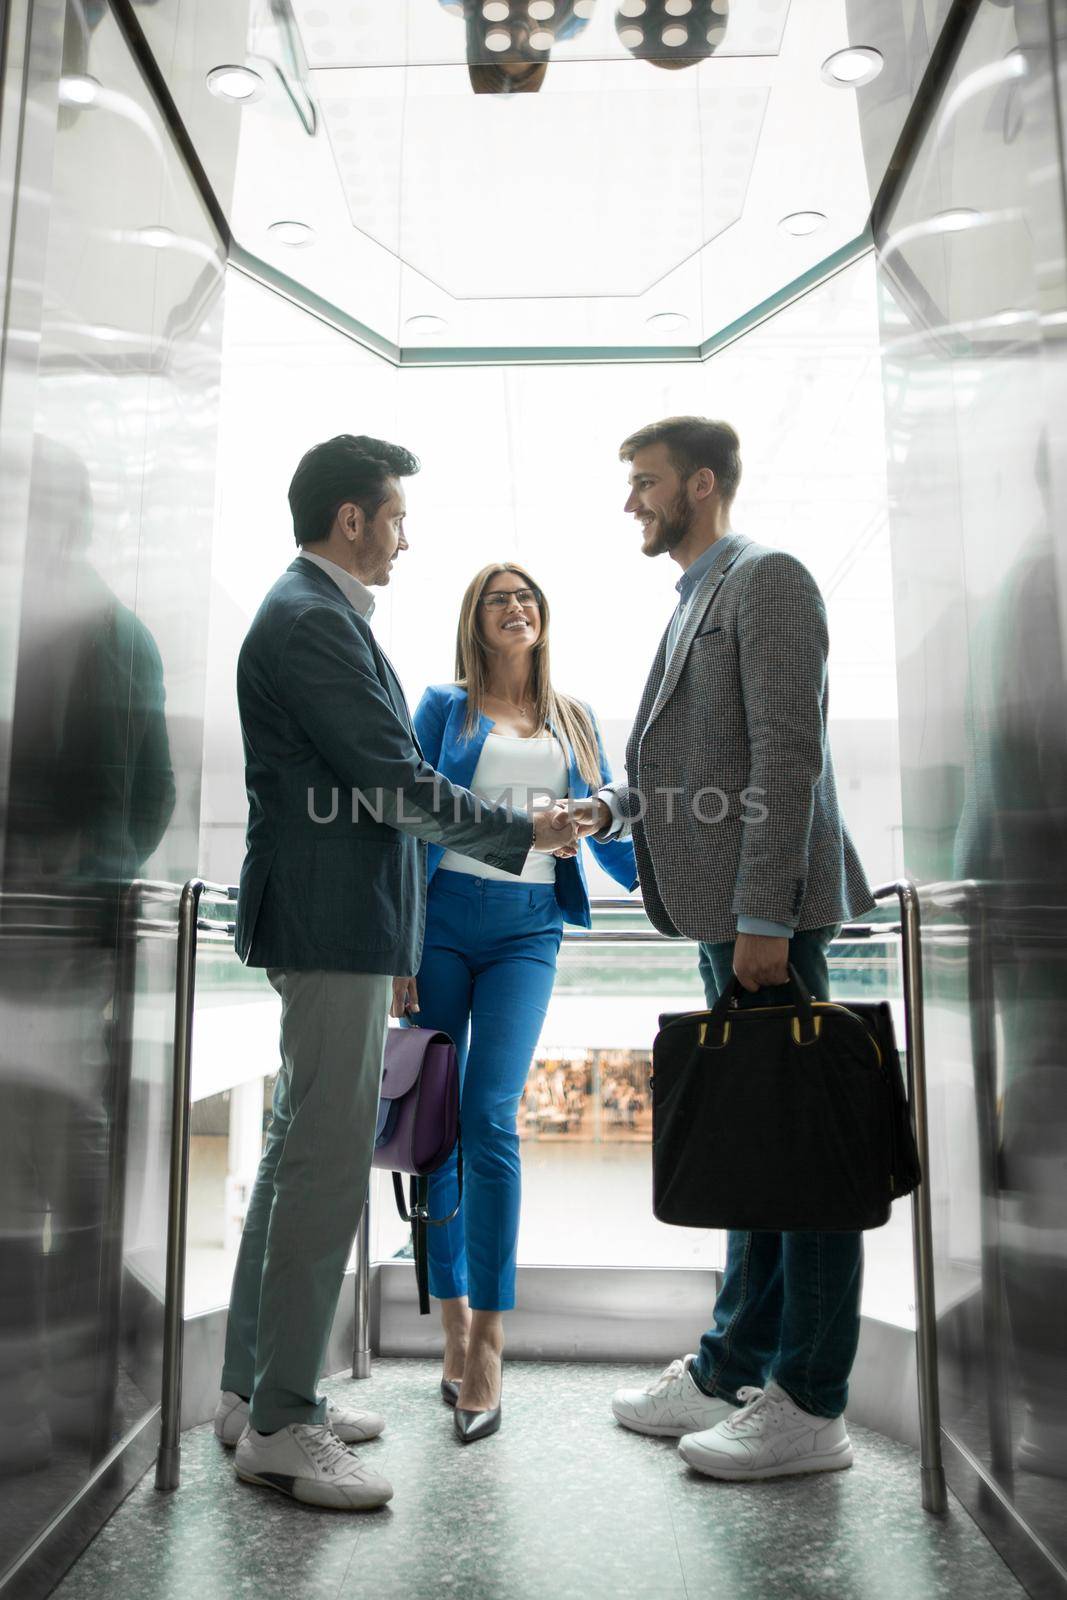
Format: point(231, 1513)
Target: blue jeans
point(488, 967)
point(789, 1305)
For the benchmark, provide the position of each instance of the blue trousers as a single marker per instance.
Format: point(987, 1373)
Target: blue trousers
point(789, 1305)
point(488, 967)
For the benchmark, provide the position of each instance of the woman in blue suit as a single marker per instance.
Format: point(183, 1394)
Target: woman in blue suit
point(489, 958)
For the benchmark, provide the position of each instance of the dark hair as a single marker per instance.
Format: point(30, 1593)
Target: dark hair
point(350, 468)
point(495, 79)
point(521, 67)
point(692, 443)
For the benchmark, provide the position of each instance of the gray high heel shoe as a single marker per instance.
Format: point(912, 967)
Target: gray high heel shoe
point(450, 1390)
point(470, 1426)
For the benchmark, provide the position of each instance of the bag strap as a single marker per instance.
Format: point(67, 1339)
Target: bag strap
point(416, 1212)
point(718, 1029)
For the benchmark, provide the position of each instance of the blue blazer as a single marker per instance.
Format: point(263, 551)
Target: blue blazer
point(439, 721)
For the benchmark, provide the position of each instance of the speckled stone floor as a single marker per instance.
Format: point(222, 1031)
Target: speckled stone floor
point(562, 1503)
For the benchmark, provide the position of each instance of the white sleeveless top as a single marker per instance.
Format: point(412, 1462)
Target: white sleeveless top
point(529, 771)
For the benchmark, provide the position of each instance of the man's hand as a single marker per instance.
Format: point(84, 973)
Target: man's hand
point(555, 832)
point(760, 961)
point(405, 997)
point(592, 815)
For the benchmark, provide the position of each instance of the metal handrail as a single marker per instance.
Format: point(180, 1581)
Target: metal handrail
point(168, 1460)
point(194, 931)
point(931, 1466)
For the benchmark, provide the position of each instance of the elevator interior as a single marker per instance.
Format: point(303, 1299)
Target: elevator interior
point(230, 230)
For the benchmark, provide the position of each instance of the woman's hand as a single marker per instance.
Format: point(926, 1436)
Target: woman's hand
point(405, 997)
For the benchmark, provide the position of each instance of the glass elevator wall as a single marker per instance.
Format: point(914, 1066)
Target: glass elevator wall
point(522, 462)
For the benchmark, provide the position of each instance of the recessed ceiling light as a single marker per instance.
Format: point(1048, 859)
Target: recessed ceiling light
point(156, 235)
point(542, 39)
point(852, 68)
point(424, 323)
point(78, 89)
point(800, 223)
point(667, 321)
point(289, 232)
point(498, 39)
point(239, 84)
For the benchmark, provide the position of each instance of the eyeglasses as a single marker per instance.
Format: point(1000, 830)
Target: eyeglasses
point(497, 599)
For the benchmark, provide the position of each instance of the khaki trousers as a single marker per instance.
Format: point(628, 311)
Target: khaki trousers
point(309, 1192)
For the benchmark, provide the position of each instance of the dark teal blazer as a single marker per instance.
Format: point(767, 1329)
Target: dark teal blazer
point(439, 723)
point(341, 803)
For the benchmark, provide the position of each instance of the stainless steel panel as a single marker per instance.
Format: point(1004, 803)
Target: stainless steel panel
point(110, 386)
point(974, 319)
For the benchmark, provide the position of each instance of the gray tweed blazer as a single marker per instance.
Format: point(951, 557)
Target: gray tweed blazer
point(730, 788)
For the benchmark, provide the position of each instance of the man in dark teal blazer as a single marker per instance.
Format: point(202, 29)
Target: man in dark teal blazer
point(332, 902)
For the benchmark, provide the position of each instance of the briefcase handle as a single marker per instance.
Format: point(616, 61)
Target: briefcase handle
point(718, 1029)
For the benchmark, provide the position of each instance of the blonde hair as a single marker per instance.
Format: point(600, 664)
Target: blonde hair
point(568, 717)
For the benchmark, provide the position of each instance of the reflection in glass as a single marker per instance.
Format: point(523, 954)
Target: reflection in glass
point(508, 47)
point(974, 289)
point(92, 791)
point(104, 582)
point(672, 33)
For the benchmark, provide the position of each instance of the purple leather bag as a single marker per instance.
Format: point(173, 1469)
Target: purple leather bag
point(418, 1128)
point(418, 1113)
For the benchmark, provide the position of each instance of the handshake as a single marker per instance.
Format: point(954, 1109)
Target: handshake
point(558, 830)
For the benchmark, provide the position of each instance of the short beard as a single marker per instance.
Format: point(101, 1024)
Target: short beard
point(672, 526)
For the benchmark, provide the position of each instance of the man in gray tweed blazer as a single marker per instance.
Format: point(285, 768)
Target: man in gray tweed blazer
point(731, 803)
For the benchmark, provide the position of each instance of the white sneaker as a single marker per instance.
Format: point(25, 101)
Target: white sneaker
point(671, 1406)
point(351, 1427)
point(311, 1464)
point(770, 1437)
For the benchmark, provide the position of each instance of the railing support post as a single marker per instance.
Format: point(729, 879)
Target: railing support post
point(361, 1335)
point(931, 1466)
point(168, 1461)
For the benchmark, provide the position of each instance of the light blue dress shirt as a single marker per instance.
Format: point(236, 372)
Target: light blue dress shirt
point(686, 587)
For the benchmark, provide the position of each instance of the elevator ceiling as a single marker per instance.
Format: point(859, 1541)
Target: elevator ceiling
point(621, 209)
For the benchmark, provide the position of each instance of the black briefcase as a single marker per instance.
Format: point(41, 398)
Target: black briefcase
point(780, 1118)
